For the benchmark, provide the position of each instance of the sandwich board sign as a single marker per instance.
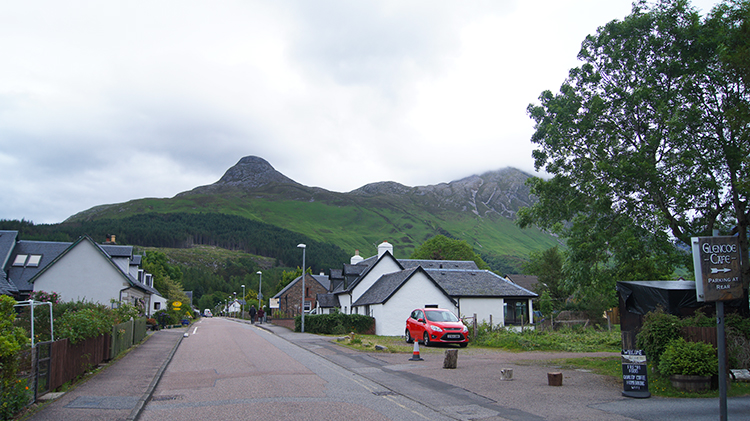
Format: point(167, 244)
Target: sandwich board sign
point(634, 374)
point(717, 268)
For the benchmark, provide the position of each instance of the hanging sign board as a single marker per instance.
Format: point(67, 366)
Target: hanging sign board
point(717, 268)
point(634, 374)
point(273, 303)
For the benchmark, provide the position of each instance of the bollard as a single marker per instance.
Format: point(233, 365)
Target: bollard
point(506, 374)
point(451, 358)
point(555, 379)
point(415, 355)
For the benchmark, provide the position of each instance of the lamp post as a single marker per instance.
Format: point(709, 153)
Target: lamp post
point(242, 304)
point(303, 247)
point(260, 294)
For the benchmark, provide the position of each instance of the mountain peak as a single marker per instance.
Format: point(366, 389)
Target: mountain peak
point(248, 173)
point(252, 171)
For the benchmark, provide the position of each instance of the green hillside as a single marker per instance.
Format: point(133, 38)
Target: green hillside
point(357, 227)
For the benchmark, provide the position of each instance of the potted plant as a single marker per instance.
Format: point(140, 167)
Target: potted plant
point(689, 365)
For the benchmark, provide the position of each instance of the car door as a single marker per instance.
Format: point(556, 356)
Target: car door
point(418, 327)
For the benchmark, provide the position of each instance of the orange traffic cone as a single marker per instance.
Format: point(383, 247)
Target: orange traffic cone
point(415, 355)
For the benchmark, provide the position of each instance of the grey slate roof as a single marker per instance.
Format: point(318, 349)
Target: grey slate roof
point(49, 251)
point(328, 300)
point(439, 264)
point(477, 283)
point(116, 251)
point(525, 281)
point(385, 287)
point(7, 241)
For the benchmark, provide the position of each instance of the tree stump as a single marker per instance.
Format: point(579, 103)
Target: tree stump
point(555, 379)
point(451, 358)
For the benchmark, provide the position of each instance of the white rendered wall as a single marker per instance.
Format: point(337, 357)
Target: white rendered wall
point(83, 273)
point(382, 267)
point(484, 307)
point(390, 318)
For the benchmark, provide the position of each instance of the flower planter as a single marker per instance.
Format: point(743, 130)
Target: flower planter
point(690, 383)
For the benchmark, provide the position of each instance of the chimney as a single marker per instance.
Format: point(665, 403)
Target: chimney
point(383, 247)
point(356, 258)
point(110, 239)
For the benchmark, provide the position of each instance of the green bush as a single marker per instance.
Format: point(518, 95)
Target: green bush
point(659, 328)
point(688, 358)
point(14, 394)
point(85, 323)
point(335, 324)
point(125, 311)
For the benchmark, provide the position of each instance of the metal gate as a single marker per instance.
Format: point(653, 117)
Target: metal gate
point(42, 368)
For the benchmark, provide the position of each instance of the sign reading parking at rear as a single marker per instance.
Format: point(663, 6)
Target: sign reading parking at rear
point(717, 268)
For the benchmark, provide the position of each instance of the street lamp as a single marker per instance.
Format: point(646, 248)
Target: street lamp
point(260, 294)
point(242, 303)
point(303, 247)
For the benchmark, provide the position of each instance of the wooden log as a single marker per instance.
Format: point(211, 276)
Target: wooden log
point(451, 358)
point(555, 379)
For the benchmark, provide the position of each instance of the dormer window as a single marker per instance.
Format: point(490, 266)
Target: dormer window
point(34, 260)
point(29, 261)
point(20, 260)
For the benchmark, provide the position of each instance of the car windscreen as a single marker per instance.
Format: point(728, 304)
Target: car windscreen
point(440, 316)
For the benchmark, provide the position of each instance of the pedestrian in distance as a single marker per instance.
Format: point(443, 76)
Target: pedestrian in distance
point(261, 315)
point(252, 314)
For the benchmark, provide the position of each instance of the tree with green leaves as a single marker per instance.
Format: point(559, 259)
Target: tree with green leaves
point(648, 143)
point(547, 266)
point(441, 247)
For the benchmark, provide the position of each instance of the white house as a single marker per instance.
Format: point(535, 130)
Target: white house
point(388, 289)
point(81, 270)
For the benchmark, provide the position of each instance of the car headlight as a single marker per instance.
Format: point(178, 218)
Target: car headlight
point(435, 328)
point(466, 329)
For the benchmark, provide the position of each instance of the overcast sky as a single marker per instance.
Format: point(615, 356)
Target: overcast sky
point(105, 102)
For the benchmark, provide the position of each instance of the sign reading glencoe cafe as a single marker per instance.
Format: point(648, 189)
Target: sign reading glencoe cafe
point(717, 268)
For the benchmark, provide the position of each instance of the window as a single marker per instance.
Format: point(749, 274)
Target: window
point(307, 305)
point(20, 260)
point(34, 260)
point(157, 305)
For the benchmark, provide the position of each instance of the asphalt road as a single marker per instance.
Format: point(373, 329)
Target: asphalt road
point(234, 371)
point(231, 370)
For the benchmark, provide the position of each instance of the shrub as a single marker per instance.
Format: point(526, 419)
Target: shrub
point(14, 394)
point(335, 324)
point(659, 328)
point(688, 358)
point(84, 323)
point(126, 311)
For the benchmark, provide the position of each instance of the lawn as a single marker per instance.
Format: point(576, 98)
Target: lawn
point(583, 340)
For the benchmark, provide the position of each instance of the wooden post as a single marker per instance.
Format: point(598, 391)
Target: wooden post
point(451, 358)
point(490, 322)
point(555, 379)
point(475, 325)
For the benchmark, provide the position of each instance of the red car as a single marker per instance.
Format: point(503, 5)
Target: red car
point(436, 325)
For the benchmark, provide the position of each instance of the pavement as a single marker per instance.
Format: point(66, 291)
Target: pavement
point(584, 395)
point(121, 389)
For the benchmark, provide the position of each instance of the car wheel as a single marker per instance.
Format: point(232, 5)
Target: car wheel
point(426, 339)
point(463, 344)
point(409, 339)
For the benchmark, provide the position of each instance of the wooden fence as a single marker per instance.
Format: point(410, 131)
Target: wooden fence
point(127, 334)
point(64, 361)
point(68, 361)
